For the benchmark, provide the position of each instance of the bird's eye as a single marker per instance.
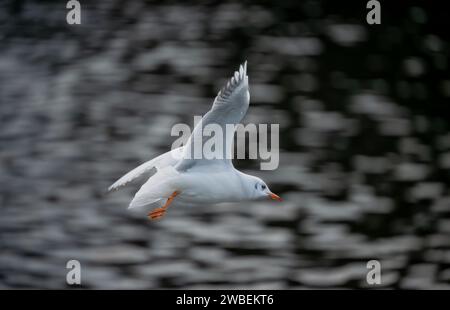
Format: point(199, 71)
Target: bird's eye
point(263, 186)
point(256, 185)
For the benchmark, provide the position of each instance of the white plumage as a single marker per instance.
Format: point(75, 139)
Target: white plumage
point(195, 181)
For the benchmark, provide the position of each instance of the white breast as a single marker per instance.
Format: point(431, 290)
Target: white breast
point(213, 187)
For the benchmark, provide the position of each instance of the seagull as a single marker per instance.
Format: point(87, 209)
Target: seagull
point(200, 180)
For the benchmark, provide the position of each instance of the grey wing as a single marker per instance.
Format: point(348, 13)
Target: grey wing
point(229, 108)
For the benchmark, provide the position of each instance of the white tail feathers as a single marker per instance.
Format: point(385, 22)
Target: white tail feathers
point(161, 185)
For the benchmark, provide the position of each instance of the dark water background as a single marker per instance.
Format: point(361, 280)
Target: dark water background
point(364, 159)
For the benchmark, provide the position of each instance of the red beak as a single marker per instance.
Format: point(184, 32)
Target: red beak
point(274, 197)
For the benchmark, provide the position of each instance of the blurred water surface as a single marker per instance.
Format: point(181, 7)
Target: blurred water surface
point(364, 159)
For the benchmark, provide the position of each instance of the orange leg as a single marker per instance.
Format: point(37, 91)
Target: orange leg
point(159, 212)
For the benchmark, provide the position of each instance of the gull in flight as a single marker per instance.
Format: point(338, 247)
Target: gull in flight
point(199, 181)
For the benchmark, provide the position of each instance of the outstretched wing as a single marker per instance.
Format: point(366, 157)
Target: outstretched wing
point(167, 159)
point(229, 108)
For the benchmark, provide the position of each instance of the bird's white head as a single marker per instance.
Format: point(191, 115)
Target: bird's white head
point(259, 190)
